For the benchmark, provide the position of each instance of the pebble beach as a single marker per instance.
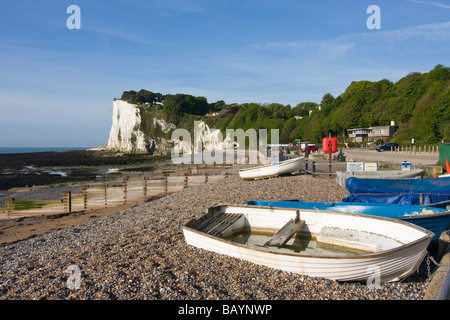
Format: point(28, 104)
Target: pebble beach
point(140, 253)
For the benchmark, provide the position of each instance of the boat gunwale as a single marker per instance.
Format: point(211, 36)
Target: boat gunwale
point(402, 217)
point(427, 234)
point(426, 216)
point(400, 173)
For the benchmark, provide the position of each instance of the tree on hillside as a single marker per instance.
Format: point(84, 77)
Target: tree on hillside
point(418, 103)
point(184, 103)
point(327, 99)
point(141, 97)
point(128, 96)
point(302, 109)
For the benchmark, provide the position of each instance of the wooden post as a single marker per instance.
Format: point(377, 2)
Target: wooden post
point(329, 151)
point(9, 207)
point(314, 168)
point(206, 177)
point(145, 187)
point(85, 198)
point(186, 177)
point(124, 186)
point(105, 187)
point(67, 201)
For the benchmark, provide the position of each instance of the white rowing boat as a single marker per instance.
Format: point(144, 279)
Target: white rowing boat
point(272, 170)
point(333, 245)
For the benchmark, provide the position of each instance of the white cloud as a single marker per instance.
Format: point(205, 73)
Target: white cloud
point(433, 31)
point(436, 4)
point(346, 43)
point(127, 36)
point(182, 6)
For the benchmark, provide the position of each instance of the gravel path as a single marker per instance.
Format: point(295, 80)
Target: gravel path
point(140, 253)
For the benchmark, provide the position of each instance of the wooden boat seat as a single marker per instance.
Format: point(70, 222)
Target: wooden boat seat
point(222, 223)
point(285, 233)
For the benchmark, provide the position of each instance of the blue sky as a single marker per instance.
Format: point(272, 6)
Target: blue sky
point(57, 85)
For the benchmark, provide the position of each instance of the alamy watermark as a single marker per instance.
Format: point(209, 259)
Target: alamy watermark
point(74, 279)
point(209, 146)
point(74, 20)
point(374, 280)
point(374, 21)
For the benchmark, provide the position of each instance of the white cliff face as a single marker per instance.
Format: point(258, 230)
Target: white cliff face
point(165, 126)
point(209, 139)
point(125, 134)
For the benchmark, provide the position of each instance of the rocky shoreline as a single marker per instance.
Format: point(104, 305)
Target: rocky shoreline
point(63, 167)
point(140, 253)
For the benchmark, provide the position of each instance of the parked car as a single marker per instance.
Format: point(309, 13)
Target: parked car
point(310, 148)
point(387, 146)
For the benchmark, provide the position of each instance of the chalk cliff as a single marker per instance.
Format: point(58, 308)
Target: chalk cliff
point(126, 133)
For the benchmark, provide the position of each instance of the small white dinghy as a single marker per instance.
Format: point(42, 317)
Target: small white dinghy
point(272, 170)
point(326, 244)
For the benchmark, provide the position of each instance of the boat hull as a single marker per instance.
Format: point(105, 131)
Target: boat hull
point(272, 170)
point(390, 264)
point(342, 176)
point(426, 191)
point(436, 220)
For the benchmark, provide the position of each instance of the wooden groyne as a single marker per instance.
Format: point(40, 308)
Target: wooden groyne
point(127, 190)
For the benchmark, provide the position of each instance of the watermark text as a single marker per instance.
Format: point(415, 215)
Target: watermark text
point(374, 21)
point(74, 20)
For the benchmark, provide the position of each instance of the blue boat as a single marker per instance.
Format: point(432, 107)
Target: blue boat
point(427, 191)
point(434, 219)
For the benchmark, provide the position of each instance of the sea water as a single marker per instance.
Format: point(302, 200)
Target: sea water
point(304, 245)
point(38, 149)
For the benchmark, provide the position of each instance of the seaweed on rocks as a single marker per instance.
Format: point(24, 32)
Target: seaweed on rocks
point(31, 169)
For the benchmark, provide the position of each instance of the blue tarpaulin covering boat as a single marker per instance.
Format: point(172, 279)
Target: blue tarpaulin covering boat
point(433, 219)
point(425, 191)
